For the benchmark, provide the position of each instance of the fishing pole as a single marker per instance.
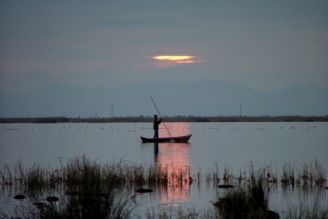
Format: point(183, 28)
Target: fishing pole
point(159, 113)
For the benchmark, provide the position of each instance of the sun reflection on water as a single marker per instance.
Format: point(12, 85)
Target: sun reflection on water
point(173, 159)
point(174, 128)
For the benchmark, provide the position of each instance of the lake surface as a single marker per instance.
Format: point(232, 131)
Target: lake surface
point(212, 145)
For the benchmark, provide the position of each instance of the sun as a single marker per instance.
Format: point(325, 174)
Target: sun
point(177, 59)
point(170, 60)
point(174, 58)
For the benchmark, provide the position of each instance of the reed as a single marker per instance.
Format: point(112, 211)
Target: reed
point(82, 170)
point(86, 205)
point(250, 201)
point(87, 186)
point(312, 174)
point(90, 190)
point(319, 174)
point(288, 176)
point(36, 178)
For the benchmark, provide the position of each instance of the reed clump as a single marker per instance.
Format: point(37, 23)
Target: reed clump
point(36, 178)
point(312, 174)
point(7, 178)
point(288, 176)
point(93, 203)
point(250, 201)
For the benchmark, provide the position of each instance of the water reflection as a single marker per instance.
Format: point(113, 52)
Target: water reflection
point(175, 129)
point(173, 160)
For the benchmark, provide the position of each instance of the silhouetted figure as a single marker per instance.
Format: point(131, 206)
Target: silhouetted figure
point(156, 125)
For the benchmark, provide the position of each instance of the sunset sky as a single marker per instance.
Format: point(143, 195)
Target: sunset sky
point(76, 58)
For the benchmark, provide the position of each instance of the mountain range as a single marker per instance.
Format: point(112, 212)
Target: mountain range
point(201, 97)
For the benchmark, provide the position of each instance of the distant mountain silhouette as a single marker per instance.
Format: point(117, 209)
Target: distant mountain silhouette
point(203, 97)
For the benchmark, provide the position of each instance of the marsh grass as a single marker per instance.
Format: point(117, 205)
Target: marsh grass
point(81, 171)
point(6, 174)
point(250, 201)
point(36, 178)
point(90, 205)
point(312, 174)
point(90, 189)
point(288, 176)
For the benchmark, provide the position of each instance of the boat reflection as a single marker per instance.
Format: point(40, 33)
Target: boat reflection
point(173, 160)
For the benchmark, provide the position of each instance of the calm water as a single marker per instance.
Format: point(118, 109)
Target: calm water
point(226, 145)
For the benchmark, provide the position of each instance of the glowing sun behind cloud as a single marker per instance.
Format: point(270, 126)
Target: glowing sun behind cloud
point(172, 60)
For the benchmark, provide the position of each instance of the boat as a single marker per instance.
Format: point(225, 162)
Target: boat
point(176, 139)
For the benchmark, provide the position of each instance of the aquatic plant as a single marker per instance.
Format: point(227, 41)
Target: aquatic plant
point(86, 205)
point(6, 176)
point(245, 202)
point(312, 174)
point(36, 178)
point(83, 186)
point(288, 176)
point(320, 174)
point(82, 170)
point(90, 193)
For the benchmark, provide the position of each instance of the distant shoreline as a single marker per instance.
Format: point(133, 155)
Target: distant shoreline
point(167, 119)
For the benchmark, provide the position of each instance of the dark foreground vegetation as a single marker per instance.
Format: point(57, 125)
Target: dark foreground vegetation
point(167, 119)
point(249, 201)
point(82, 188)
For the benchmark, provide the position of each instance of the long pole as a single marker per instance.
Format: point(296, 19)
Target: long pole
point(159, 113)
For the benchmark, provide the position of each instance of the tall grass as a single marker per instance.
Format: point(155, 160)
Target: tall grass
point(82, 170)
point(244, 202)
point(288, 176)
point(90, 189)
point(90, 205)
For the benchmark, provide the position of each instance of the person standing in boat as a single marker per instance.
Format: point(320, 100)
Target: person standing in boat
point(156, 125)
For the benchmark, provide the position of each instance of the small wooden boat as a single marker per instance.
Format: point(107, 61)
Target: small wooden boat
point(177, 139)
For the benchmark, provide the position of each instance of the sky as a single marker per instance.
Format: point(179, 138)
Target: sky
point(78, 58)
